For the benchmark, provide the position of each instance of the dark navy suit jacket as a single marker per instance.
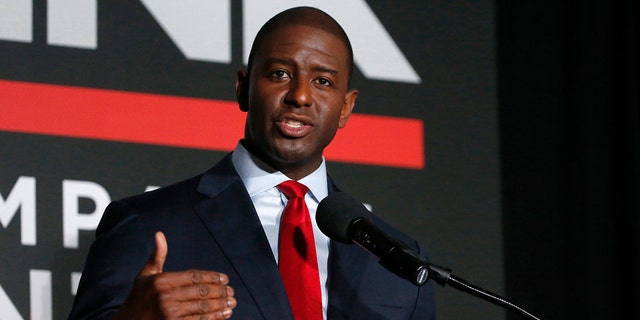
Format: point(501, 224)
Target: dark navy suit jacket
point(211, 224)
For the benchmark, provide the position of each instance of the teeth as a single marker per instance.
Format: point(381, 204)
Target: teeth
point(295, 124)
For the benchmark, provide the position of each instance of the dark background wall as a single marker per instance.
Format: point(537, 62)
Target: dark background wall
point(570, 147)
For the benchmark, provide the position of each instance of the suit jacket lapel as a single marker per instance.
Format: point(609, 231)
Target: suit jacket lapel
point(232, 221)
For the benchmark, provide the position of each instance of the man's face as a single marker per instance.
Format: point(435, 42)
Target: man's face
point(297, 96)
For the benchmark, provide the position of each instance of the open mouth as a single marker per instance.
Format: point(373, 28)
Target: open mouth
point(294, 124)
point(293, 128)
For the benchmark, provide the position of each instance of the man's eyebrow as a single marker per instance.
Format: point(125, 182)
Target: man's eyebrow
point(325, 69)
point(288, 62)
point(279, 61)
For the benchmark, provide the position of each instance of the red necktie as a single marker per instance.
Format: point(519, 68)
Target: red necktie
point(297, 254)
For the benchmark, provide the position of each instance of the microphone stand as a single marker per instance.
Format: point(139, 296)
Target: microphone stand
point(443, 276)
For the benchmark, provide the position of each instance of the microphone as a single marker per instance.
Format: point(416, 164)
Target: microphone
point(345, 219)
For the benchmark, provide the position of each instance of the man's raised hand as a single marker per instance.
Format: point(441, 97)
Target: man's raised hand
point(190, 294)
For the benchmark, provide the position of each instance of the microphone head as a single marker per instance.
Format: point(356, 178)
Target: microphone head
point(336, 213)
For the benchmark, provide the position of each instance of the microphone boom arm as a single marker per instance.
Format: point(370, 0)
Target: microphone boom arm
point(443, 276)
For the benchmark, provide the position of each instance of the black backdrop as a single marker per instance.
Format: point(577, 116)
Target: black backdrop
point(570, 156)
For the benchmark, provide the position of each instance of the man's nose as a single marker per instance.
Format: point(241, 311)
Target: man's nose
point(299, 93)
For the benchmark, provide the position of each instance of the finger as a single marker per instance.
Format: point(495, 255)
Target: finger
point(156, 261)
point(200, 292)
point(215, 307)
point(191, 278)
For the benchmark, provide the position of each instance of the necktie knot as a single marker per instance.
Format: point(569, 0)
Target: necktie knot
point(293, 189)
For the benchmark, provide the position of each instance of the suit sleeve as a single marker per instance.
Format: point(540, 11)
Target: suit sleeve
point(119, 251)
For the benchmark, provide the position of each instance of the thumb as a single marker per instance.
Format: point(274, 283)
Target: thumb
point(156, 261)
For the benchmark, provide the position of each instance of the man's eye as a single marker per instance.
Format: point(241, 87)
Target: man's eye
point(280, 74)
point(324, 82)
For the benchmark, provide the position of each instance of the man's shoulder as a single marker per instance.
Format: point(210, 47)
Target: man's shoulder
point(184, 190)
point(176, 190)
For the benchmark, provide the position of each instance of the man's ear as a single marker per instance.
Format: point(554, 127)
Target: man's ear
point(242, 89)
point(347, 107)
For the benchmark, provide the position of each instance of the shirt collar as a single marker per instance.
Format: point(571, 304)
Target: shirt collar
point(259, 177)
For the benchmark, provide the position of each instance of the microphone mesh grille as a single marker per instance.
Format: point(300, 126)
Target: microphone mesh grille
point(335, 214)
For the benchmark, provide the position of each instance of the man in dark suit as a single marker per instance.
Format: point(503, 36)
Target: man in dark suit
point(207, 247)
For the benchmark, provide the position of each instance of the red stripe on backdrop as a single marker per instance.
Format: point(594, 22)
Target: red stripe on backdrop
point(187, 122)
